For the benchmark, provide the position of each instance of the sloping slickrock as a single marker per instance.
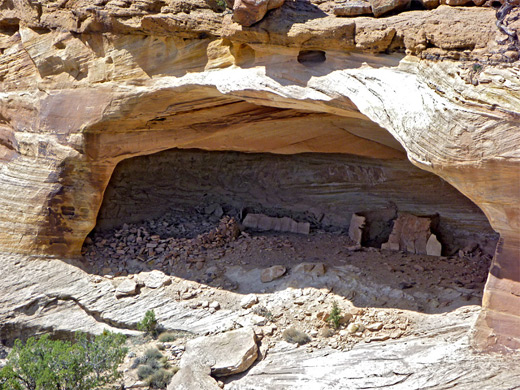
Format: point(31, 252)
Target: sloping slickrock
point(424, 361)
point(226, 353)
point(42, 295)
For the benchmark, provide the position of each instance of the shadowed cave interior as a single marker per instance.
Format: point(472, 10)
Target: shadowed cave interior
point(156, 208)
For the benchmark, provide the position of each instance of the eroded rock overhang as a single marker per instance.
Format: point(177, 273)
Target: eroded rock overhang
point(85, 90)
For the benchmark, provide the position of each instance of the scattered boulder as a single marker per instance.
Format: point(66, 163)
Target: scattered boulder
point(225, 354)
point(284, 224)
point(313, 269)
point(248, 301)
point(193, 378)
point(353, 8)
point(248, 12)
point(272, 273)
point(154, 279)
point(381, 7)
point(214, 209)
point(126, 288)
point(355, 230)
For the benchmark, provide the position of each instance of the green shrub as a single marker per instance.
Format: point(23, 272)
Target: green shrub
point(335, 316)
point(164, 362)
point(153, 354)
point(45, 364)
point(160, 379)
point(167, 337)
point(144, 371)
point(148, 324)
point(295, 336)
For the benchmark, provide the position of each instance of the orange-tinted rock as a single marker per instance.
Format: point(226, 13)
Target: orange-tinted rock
point(248, 12)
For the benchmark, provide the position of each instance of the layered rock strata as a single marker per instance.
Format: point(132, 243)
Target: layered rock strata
point(87, 85)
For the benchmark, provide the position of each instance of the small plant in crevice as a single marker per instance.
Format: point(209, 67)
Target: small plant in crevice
point(334, 317)
point(262, 311)
point(295, 336)
point(149, 324)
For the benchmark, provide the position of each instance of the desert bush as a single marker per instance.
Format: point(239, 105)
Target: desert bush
point(295, 336)
point(334, 317)
point(144, 371)
point(167, 337)
point(148, 324)
point(153, 354)
point(159, 379)
point(45, 364)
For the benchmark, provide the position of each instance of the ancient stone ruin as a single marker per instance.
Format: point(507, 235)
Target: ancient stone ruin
point(297, 114)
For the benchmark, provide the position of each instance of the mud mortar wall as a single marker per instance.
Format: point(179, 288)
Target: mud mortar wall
point(324, 189)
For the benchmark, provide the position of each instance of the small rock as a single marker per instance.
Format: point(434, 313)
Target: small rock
point(313, 269)
point(375, 326)
point(353, 328)
point(248, 301)
point(127, 287)
point(272, 273)
point(214, 305)
point(154, 279)
point(258, 320)
point(188, 295)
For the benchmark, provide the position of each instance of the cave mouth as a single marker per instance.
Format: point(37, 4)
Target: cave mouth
point(182, 212)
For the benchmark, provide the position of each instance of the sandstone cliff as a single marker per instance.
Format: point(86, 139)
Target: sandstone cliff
point(86, 84)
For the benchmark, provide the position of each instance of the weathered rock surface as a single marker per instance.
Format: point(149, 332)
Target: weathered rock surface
point(193, 378)
point(248, 12)
point(52, 296)
point(418, 361)
point(85, 86)
point(272, 273)
point(225, 354)
point(127, 287)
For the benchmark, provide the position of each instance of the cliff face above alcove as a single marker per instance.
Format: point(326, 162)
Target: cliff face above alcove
point(87, 85)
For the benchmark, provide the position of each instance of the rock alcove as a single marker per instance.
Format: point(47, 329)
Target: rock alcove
point(84, 91)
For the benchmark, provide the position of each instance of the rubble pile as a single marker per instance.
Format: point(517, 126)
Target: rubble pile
point(158, 243)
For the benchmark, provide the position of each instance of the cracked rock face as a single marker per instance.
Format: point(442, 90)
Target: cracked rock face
point(86, 85)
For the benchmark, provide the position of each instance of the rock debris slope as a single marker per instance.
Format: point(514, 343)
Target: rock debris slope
point(85, 85)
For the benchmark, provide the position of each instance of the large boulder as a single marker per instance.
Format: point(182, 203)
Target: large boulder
point(225, 354)
point(248, 12)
